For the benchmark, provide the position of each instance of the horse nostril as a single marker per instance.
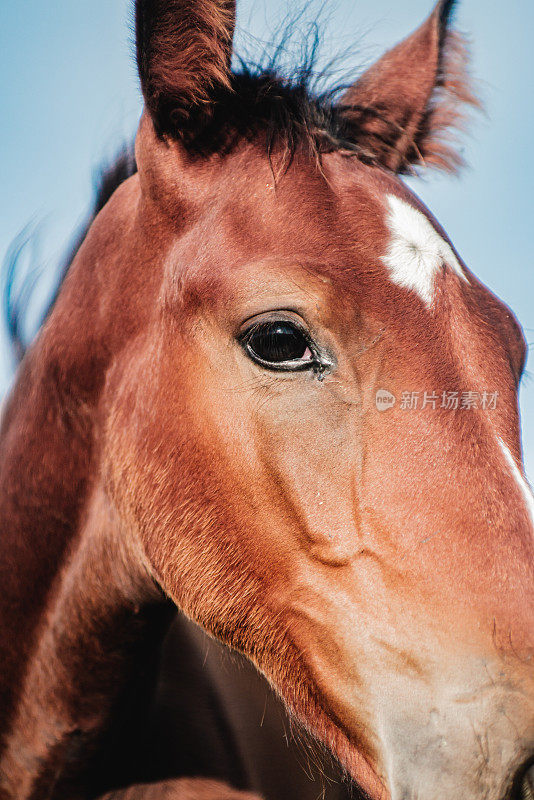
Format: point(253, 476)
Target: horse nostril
point(523, 785)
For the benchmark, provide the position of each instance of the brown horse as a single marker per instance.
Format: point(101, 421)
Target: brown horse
point(270, 394)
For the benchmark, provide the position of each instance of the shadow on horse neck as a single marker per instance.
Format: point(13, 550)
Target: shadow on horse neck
point(200, 424)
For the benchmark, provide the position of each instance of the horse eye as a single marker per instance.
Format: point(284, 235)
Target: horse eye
point(279, 345)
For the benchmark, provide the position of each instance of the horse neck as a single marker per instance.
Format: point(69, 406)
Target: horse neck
point(76, 593)
point(75, 589)
point(45, 466)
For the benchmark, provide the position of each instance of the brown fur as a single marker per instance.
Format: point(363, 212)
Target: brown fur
point(183, 56)
point(182, 789)
point(368, 565)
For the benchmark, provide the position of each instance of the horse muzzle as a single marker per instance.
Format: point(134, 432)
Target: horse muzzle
point(483, 751)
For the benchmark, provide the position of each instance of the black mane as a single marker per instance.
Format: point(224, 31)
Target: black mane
point(282, 113)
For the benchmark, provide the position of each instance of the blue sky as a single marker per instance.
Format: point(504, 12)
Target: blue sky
point(69, 97)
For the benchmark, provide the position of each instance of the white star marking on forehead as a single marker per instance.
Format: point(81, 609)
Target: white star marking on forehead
point(416, 251)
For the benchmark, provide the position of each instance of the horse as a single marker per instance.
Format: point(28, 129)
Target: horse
point(271, 395)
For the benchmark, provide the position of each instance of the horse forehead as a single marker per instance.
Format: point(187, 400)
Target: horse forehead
point(387, 225)
point(409, 243)
point(350, 214)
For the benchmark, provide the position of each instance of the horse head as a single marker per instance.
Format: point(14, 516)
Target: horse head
point(308, 427)
point(375, 565)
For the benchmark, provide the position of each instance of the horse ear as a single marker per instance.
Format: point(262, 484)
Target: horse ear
point(404, 109)
point(184, 49)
